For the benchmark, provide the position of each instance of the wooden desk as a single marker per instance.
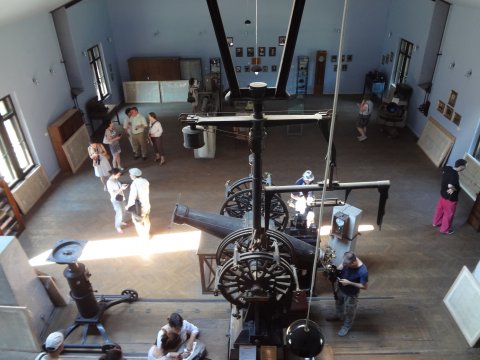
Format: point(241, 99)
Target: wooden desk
point(206, 252)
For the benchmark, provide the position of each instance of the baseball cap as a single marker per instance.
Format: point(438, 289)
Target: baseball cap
point(135, 172)
point(54, 341)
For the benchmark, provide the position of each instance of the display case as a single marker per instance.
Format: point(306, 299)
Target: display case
point(11, 222)
point(302, 75)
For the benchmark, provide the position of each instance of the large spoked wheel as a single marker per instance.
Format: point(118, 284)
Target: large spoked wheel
point(132, 295)
point(255, 277)
point(243, 240)
point(243, 184)
point(240, 203)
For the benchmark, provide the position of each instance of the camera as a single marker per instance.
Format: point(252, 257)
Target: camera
point(97, 160)
point(333, 273)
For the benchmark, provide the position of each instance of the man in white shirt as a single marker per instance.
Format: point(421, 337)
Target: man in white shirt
point(140, 189)
point(127, 125)
point(138, 124)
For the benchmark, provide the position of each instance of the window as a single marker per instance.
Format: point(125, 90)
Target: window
point(15, 157)
point(403, 62)
point(99, 80)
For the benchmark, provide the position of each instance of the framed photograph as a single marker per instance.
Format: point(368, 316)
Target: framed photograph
point(452, 99)
point(391, 56)
point(440, 106)
point(261, 51)
point(246, 68)
point(272, 51)
point(349, 58)
point(239, 52)
point(274, 68)
point(387, 59)
point(250, 51)
point(333, 58)
point(265, 68)
point(282, 40)
point(383, 59)
point(230, 41)
point(335, 67)
point(344, 67)
point(238, 69)
point(448, 113)
point(343, 58)
point(457, 118)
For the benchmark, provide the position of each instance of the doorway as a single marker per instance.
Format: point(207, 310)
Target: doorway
point(320, 61)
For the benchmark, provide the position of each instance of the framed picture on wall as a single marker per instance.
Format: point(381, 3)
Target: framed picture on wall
point(457, 118)
point(274, 68)
point(440, 106)
point(391, 56)
point(349, 58)
point(272, 51)
point(333, 58)
point(448, 113)
point(265, 68)
point(335, 67)
point(239, 52)
point(452, 99)
point(246, 68)
point(230, 41)
point(238, 69)
point(281, 40)
point(250, 51)
point(261, 51)
point(344, 67)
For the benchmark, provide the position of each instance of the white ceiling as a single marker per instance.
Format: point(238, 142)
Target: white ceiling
point(13, 10)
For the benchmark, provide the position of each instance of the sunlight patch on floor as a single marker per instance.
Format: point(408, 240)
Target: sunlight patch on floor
point(131, 246)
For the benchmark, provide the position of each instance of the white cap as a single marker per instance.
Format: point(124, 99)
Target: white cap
point(54, 341)
point(135, 172)
point(308, 176)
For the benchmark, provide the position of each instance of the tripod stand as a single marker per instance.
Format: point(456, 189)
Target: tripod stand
point(90, 307)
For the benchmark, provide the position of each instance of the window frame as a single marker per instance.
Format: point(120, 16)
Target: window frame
point(404, 58)
point(97, 66)
point(9, 149)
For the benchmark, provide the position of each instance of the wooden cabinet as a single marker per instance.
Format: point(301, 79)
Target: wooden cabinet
point(11, 222)
point(474, 218)
point(154, 68)
point(60, 131)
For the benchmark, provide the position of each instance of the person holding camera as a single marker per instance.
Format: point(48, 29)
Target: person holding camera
point(117, 197)
point(352, 277)
point(140, 190)
point(100, 162)
point(303, 200)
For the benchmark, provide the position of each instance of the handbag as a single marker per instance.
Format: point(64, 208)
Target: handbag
point(136, 209)
point(119, 197)
point(190, 98)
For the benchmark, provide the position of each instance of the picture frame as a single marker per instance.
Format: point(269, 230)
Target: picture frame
point(246, 68)
point(333, 58)
point(274, 68)
point(239, 52)
point(335, 67)
point(230, 41)
point(349, 58)
point(440, 106)
point(261, 51)
point(282, 40)
point(343, 58)
point(457, 118)
point(250, 51)
point(383, 59)
point(391, 56)
point(238, 69)
point(448, 113)
point(452, 99)
point(344, 67)
point(272, 51)
point(387, 59)
point(265, 68)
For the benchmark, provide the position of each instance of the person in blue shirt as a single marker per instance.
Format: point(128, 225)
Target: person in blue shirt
point(353, 277)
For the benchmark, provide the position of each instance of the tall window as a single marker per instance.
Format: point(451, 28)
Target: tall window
point(99, 80)
point(403, 61)
point(15, 157)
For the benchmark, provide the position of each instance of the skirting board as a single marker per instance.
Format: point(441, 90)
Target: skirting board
point(462, 301)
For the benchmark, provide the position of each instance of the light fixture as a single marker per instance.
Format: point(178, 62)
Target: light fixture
point(247, 22)
point(256, 61)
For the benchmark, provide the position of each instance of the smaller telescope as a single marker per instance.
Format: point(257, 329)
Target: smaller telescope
point(90, 307)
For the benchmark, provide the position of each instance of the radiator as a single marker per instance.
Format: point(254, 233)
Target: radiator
point(28, 192)
point(75, 148)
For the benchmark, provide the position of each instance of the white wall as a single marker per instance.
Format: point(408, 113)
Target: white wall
point(30, 50)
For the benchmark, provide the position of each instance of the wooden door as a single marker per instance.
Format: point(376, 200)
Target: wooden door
point(320, 63)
